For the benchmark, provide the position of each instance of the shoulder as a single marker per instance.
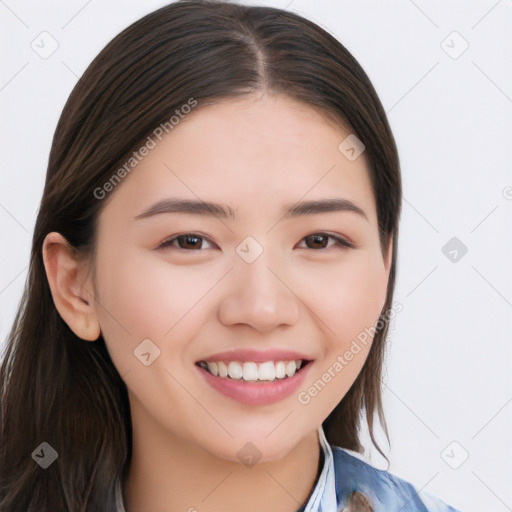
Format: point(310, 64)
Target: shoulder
point(359, 481)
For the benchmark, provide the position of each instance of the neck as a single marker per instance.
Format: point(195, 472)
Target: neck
point(168, 474)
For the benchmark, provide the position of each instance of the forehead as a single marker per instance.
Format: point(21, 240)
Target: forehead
point(252, 153)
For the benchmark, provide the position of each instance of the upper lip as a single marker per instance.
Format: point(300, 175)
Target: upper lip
point(257, 356)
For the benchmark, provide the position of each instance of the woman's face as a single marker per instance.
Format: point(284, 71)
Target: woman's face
point(275, 273)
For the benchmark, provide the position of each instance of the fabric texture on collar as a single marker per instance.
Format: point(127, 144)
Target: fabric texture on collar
point(323, 497)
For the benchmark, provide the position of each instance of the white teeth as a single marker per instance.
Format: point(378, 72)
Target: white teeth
point(280, 370)
point(291, 368)
point(223, 369)
point(214, 369)
point(267, 371)
point(235, 370)
point(251, 371)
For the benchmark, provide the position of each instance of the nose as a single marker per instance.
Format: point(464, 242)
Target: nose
point(259, 296)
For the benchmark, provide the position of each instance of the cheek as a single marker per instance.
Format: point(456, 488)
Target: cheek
point(145, 298)
point(347, 297)
point(348, 300)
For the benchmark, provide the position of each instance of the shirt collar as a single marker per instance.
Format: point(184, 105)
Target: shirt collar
point(323, 497)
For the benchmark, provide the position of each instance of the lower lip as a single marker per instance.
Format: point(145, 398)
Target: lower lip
point(256, 393)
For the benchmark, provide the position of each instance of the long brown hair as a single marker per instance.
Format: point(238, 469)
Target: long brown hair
point(59, 389)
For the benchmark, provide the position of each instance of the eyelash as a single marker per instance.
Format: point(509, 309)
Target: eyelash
point(340, 242)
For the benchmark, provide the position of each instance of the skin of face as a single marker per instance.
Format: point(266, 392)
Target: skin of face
point(254, 155)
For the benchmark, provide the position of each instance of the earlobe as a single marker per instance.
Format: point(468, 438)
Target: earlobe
point(70, 282)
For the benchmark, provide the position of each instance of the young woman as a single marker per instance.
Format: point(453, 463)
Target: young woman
point(211, 279)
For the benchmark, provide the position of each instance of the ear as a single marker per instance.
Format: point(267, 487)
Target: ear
point(71, 286)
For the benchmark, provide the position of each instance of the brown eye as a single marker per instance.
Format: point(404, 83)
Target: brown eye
point(187, 242)
point(321, 241)
point(317, 241)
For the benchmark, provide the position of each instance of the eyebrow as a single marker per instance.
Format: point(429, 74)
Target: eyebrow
point(291, 210)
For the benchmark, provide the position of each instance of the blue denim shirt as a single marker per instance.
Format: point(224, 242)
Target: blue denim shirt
point(347, 483)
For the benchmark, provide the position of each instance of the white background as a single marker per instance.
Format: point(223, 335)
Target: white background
point(449, 364)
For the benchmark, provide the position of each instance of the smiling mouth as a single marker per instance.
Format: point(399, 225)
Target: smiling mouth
point(250, 371)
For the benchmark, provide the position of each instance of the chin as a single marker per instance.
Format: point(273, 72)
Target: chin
point(250, 448)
